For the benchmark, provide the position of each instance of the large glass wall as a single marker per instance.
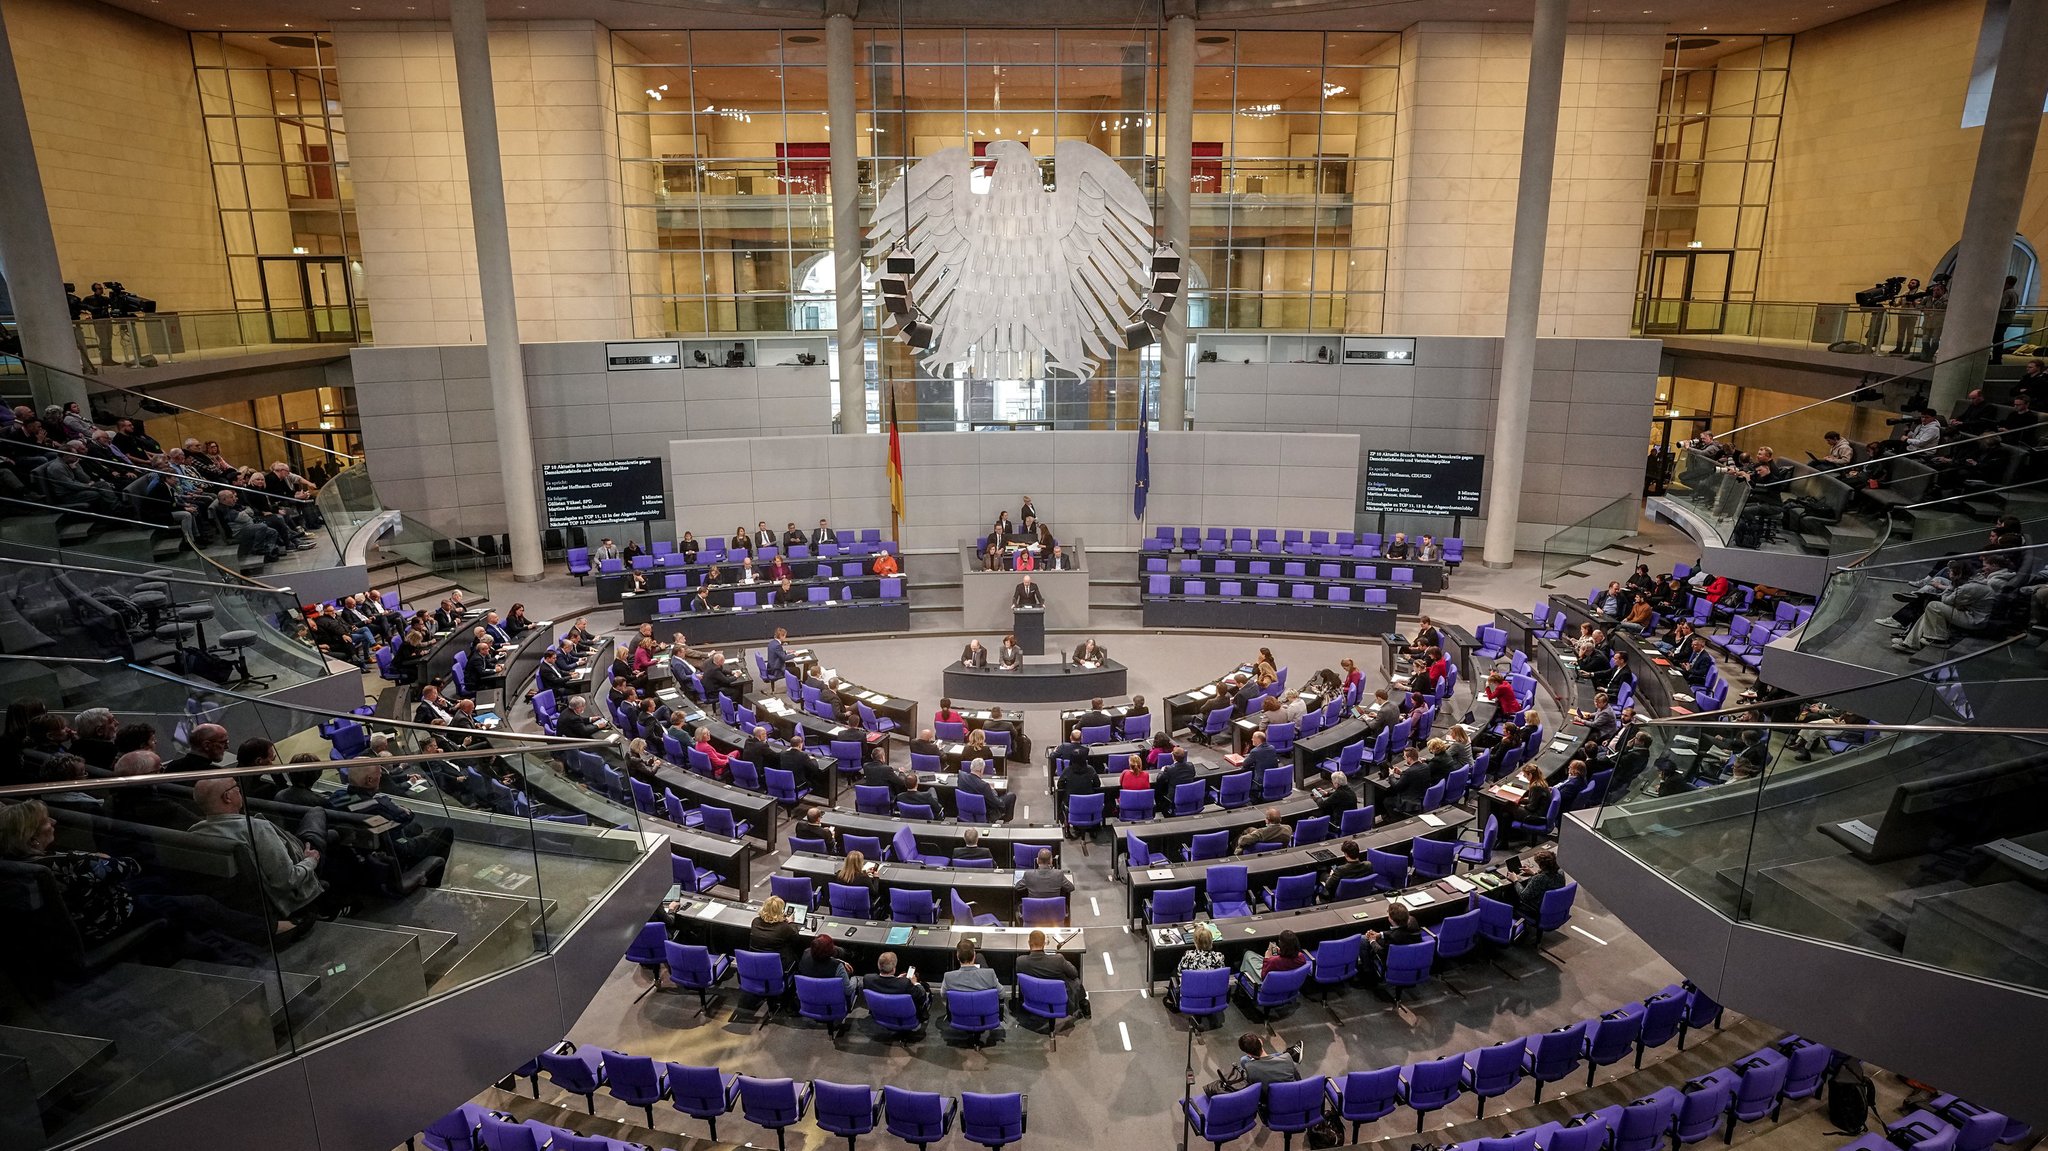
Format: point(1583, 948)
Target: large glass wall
point(272, 109)
point(1710, 180)
point(725, 149)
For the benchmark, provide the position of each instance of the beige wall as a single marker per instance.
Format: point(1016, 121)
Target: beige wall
point(1457, 155)
point(115, 114)
point(557, 133)
point(1874, 168)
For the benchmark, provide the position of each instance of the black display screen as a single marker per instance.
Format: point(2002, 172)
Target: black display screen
point(603, 492)
point(1424, 483)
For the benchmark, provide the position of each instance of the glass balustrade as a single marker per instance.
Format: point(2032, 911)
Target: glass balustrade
point(169, 933)
point(1921, 843)
point(1902, 330)
point(1574, 543)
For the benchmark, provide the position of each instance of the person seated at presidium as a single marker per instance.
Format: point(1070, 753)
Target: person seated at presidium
point(1011, 656)
point(974, 655)
point(1090, 653)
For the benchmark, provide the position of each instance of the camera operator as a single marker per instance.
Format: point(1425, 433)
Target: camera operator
point(127, 303)
point(1908, 300)
point(100, 307)
point(76, 310)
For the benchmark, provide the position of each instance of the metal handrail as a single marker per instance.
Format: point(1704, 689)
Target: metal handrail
point(139, 397)
point(98, 783)
point(1921, 673)
point(228, 575)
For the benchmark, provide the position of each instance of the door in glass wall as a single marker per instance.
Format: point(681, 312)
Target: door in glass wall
point(1686, 290)
point(307, 298)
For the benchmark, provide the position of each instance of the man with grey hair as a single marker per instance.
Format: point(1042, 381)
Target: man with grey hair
point(288, 866)
point(576, 723)
point(208, 744)
point(67, 484)
point(143, 803)
point(973, 781)
point(886, 981)
point(94, 738)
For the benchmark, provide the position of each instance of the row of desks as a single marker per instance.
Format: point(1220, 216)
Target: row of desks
point(639, 607)
point(757, 625)
point(1309, 616)
point(723, 926)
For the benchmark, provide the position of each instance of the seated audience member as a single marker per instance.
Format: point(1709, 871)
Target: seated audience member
point(792, 537)
point(1408, 781)
point(970, 975)
point(1262, 1066)
point(1353, 867)
point(885, 565)
point(1338, 798)
point(147, 804)
point(1176, 771)
point(287, 865)
point(1699, 662)
point(1089, 653)
point(1534, 806)
point(1134, 777)
point(972, 780)
point(821, 960)
point(94, 886)
point(1967, 607)
point(822, 535)
point(741, 542)
point(1044, 880)
point(1040, 963)
point(363, 794)
point(1527, 893)
point(1398, 548)
point(93, 737)
point(688, 547)
point(772, 931)
point(974, 655)
point(811, 825)
point(1010, 656)
point(1271, 831)
point(971, 849)
point(1203, 956)
point(1401, 928)
point(887, 981)
point(1283, 954)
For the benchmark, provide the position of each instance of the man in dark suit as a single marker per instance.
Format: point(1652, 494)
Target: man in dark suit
point(798, 762)
point(886, 981)
point(899, 780)
point(812, 825)
point(777, 658)
point(763, 537)
point(717, 680)
point(1339, 799)
point(924, 744)
point(1072, 750)
point(970, 849)
point(1408, 780)
point(1040, 963)
point(1401, 928)
point(431, 709)
point(575, 721)
point(1176, 772)
point(758, 751)
point(494, 630)
point(972, 780)
point(1026, 595)
point(1631, 762)
point(1093, 717)
point(822, 535)
point(792, 537)
point(1353, 867)
point(1260, 756)
point(1385, 713)
point(552, 676)
point(974, 655)
point(1058, 561)
point(1698, 663)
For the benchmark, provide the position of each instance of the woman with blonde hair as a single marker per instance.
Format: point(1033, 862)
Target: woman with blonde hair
point(772, 931)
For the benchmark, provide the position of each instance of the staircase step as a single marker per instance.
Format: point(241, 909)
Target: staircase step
point(489, 931)
point(296, 985)
point(365, 970)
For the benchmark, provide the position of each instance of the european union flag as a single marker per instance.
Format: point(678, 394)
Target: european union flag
point(1142, 482)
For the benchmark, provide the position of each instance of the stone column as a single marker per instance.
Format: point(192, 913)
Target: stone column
point(2005, 157)
point(494, 281)
point(28, 253)
point(1174, 172)
point(846, 261)
point(1525, 282)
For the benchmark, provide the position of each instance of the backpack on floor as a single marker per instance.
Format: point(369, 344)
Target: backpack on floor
point(1851, 1098)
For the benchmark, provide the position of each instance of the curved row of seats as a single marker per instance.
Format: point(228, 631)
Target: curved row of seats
point(1290, 541)
point(1944, 1123)
point(845, 1110)
point(1361, 1097)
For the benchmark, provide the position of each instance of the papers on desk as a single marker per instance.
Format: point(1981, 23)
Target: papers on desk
point(1234, 760)
point(1681, 697)
point(1560, 744)
point(1420, 897)
point(1204, 692)
point(707, 910)
point(1159, 873)
point(1511, 791)
point(1431, 819)
point(897, 936)
point(1458, 883)
point(1859, 829)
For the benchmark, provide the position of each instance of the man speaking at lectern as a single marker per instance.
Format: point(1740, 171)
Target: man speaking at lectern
point(1026, 595)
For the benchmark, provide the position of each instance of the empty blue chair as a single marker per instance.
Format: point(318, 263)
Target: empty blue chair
point(1045, 998)
point(894, 1013)
point(1050, 911)
point(1202, 992)
point(1229, 888)
point(963, 913)
point(825, 1000)
point(646, 948)
point(1642, 1125)
point(1922, 1131)
point(1293, 1107)
point(912, 905)
point(1457, 935)
point(1590, 1134)
point(795, 890)
point(635, 1080)
point(1362, 1097)
point(1276, 783)
point(1389, 870)
point(1497, 922)
point(1758, 1093)
point(1433, 858)
point(1171, 905)
point(1658, 1018)
point(1357, 820)
point(871, 799)
point(1280, 736)
point(1493, 1071)
point(918, 1117)
point(1291, 891)
point(1138, 853)
point(774, 1103)
point(719, 821)
point(1311, 829)
point(1700, 1010)
point(1207, 844)
point(761, 975)
point(783, 787)
point(1609, 1039)
point(1479, 852)
point(504, 1135)
point(456, 1131)
point(692, 967)
point(1807, 1068)
point(579, 1072)
point(1275, 991)
point(1431, 1085)
point(847, 1109)
point(1553, 1055)
point(1696, 1108)
point(1234, 790)
point(1335, 961)
point(1189, 798)
point(976, 1013)
point(1408, 965)
point(1219, 1119)
point(849, 901)
point(992, 1121)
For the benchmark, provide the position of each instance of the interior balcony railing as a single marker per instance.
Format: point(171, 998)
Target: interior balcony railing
point(1577, 542)
point(1803, 825)
point(169, 933)
point(425, 557)
point(1906, 330)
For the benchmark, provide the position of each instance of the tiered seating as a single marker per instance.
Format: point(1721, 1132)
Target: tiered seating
point(1276, 541)
point(664, 556)
point(841, 1110)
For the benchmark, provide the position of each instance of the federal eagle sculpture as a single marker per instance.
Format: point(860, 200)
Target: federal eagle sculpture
point(1006, 267)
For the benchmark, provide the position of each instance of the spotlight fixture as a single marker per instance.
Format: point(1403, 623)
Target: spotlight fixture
point(900, 261)
point(1137, 334)
point(1165, 259)
point(916, 333)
